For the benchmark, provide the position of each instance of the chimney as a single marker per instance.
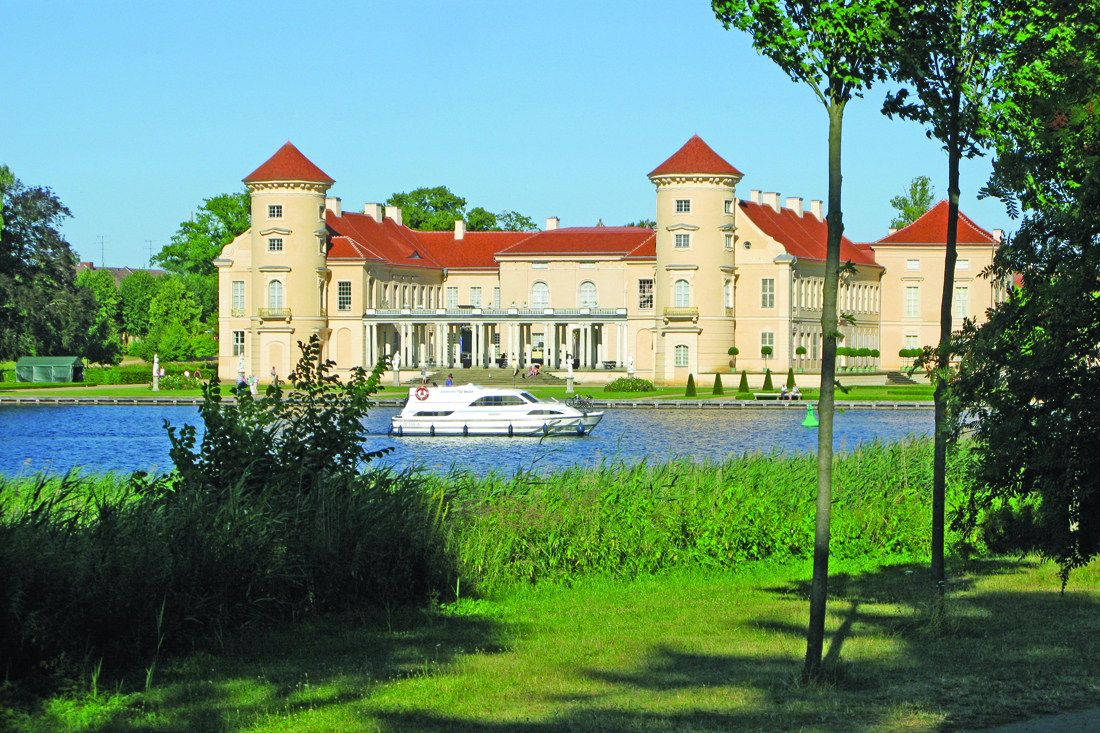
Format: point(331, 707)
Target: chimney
point(552, 222)
point(890, 231)
point(795, 205)
point(332, 203)
point(998, 235)
point(817, 210)
point(374, 211)
point(754, 196)
point(772, 200)
point(394, 212)
point(460, 228)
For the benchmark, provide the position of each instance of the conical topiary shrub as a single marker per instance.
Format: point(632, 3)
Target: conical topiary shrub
point(690, 392)
point(718, 384)
point(768, 381)
point(790, 378)
point(743, 388)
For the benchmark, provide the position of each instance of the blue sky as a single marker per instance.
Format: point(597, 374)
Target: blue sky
point(133, 113)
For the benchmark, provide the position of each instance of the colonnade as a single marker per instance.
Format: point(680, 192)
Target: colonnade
point(441, 344)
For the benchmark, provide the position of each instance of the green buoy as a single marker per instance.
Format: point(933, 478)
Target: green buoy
point(810, 421)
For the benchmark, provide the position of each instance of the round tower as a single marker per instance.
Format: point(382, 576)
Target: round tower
point(289, 272)
point(694, 281)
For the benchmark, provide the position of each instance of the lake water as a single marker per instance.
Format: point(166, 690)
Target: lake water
point(130, 438)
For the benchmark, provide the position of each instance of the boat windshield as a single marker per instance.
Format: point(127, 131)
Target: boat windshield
point(529, 397)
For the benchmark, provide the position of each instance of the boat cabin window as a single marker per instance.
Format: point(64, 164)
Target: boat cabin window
point(529, 397)
point(544, 412)
point(439, 413)
point(497, 400)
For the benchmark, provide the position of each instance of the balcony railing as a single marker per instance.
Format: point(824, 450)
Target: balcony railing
point(274, 313)
point(691, 312)
point(236, 312)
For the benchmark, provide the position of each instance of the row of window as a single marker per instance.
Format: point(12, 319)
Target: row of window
point(683, 241)
point(683, 206)
point(912, 301)
point(959, 264)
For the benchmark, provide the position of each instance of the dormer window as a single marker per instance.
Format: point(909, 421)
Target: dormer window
point(275, 211)
point(683, 206)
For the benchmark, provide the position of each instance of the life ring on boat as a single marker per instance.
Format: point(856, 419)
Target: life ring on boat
point(421, 393)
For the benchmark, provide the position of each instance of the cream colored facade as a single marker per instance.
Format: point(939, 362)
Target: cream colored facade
point(718, 271)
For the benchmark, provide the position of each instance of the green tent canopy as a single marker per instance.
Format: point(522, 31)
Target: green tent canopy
point(49, 369)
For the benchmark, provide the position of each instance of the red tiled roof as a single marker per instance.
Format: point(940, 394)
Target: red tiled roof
point(358, 236)
point(288, 164)
point(476, 250)
point(931, 228)
point(804, 236)
point(582, 240)
point(695, 157)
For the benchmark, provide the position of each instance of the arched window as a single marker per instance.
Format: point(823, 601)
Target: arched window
point(683, 294)
point(540, 295)
point(681, 355)
point(275, 295)
point(727, 293)
point(588, 294)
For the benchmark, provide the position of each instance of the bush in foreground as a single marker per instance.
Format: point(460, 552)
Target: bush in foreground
point(629, 384)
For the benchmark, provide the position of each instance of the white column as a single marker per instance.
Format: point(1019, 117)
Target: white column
point(620, 344)
point(475, 346)
point(454, 333)
point(586, 342)
point(601, 348)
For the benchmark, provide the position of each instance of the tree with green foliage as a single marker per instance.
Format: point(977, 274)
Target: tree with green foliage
point(838, 48)
point(199, 241)
point(690, 391)
point(718, 384)
point(948, 51)
point(1029, 378)
point(42, 312)
point(914, 203)
point(437, 209)
point(104, 343)
point(643, 224)
point(6, 180)
point(175, 325)
point(135, 294)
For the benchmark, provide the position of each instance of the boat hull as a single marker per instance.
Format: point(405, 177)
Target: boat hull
point(520, 426)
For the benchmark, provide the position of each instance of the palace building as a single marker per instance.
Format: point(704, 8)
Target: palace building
point(718, 271)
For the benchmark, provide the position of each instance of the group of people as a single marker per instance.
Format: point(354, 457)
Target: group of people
point(794, 394)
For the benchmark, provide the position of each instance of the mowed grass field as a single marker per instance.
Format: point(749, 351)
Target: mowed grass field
point(692, 650)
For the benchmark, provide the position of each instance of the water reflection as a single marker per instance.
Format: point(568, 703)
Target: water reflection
point(129, 438)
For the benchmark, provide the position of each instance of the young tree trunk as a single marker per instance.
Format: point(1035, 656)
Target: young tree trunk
point(939, 458)
point(815, 636)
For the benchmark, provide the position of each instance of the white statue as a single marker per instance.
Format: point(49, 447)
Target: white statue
point(156, 365)
point(569, 364)
point(630, 365)
point(240, 365)
point(396, 360)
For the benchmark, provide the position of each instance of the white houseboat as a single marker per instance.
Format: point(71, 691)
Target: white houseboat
point(476, 410)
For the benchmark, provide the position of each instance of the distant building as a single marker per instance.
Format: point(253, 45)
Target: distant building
point(118, 273)
point(718, 271)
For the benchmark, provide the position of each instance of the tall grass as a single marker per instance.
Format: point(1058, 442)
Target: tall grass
point(625, 521)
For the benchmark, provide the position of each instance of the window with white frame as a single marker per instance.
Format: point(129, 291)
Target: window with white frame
point(496, 297)
point(645, 293)
point(681, 352)
point(767, 292)
point(275, 295)
point(588, 294)
point(238, 343)
point(962, 301)
point(475, 296)
point(540, 295)
point(767, 338)
point(682, 294)
point(683, 241)
point(962, 264)
point(912, 264)
point(729, 206)
point(683, 206)
point(727, 292)
point(540, 265)
point(237, 303)
point(452, 297)
point(274, 211)
point(912, 301)
point(911, 341)
point(729, 241)
point(275, 244)
point(343, 295)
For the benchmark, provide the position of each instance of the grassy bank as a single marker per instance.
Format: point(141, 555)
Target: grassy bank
point(698, 650)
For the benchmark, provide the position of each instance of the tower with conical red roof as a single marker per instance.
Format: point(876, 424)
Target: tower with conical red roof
point(288, 248)
point(694, 278)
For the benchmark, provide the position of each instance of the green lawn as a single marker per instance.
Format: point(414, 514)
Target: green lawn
point(693, 651)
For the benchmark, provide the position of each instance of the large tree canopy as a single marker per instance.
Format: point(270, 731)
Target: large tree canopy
point(200, 240)
point(436, 210)
point(914, 203)
point(1030, 376)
